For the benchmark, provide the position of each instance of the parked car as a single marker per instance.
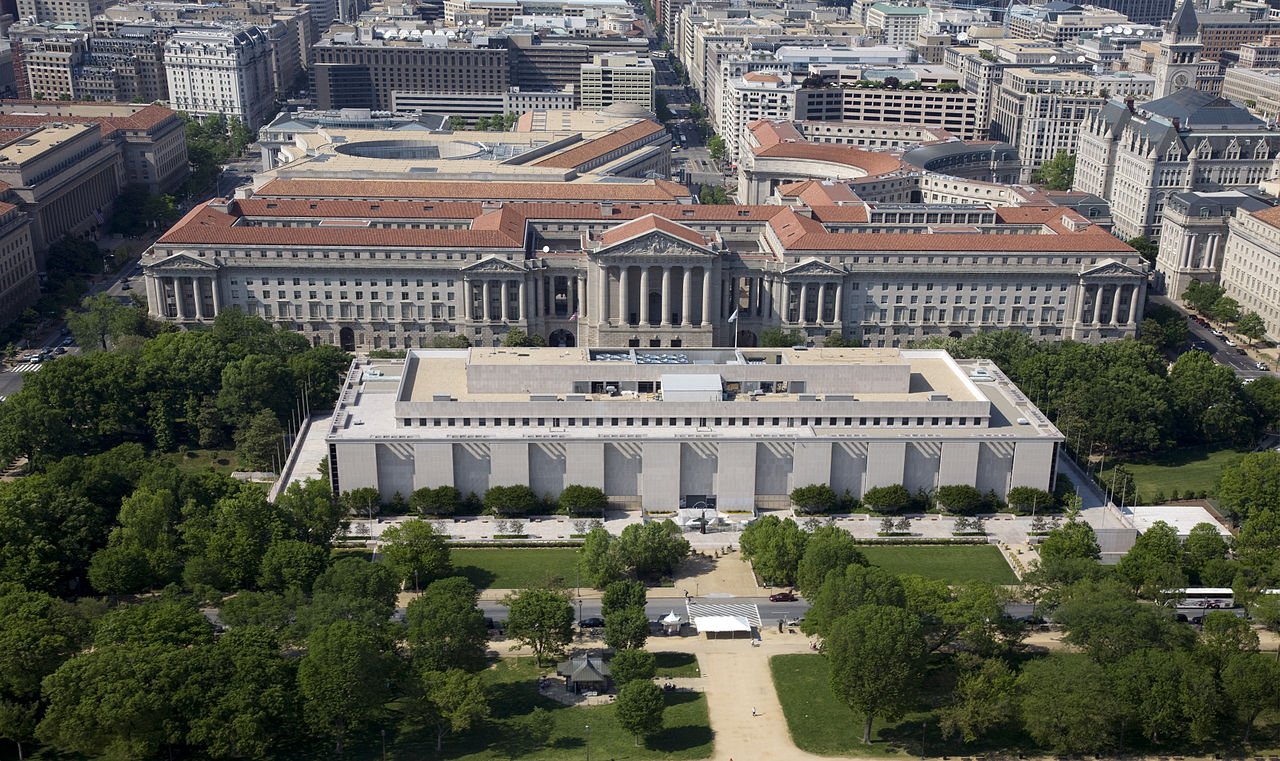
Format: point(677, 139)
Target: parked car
point(1217, 332)
point(591, 623)
point(1228, 342)
point(1261, 366)
point(782, 597)
point(1242, 352)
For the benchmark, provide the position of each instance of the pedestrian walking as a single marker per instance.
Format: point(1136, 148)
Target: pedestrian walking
point(753, 710)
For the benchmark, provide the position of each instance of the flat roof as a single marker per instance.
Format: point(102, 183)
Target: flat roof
point(34, 143)
point(831, 387)
point(1182, 518)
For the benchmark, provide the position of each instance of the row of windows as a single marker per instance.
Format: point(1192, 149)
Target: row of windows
point(701, 422)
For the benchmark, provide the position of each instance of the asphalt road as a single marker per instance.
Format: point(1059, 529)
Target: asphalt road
point(1244, 365)
point(770, 612)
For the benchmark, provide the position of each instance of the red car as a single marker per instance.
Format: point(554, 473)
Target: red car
point(783, 597)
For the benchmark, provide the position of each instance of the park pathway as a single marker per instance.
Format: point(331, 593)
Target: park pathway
point(736, 679)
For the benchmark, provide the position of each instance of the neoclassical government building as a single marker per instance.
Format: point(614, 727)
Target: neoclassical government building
point(836, 239)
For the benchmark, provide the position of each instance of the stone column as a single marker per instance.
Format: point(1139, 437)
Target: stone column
point(1191, 249)
point(467, 296)
point(196, 298)
point(624, 288)
point(486, 295)
point(804, 302)
point(582, 296)
point(686, 297)
point(1097, 304)
point(217, 297)
point(520, 313)
point(177, 298)
point(705, 315)
point(644, 295)
point(1115, 306)
point(665, 317)
point(766, 297)
point(735, 297)
point(505, 309)
point(1133, 304)
point(605, 282)
point(839, 315)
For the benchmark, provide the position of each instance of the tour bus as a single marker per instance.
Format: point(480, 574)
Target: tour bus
point(1206, 597)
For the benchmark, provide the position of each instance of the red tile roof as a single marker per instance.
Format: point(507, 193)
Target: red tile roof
point(769, 132)
point(594, 149)
point(650, 223)
point(505, 226)
point(868, 161)
point(656, 191)
point(1270, 216)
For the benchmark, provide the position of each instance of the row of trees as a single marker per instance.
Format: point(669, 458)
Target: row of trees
point(960, 499)
point(239, 380)
point(1124, 396)
point(1210, 299)
point(503, 501)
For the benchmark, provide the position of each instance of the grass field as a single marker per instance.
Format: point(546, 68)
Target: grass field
point(972, 562)
point(821, 724)
point(1194, 469)
point(513, 694)
point(516, 567)
point(677, 665)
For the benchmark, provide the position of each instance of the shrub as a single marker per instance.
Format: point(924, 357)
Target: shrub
point(442, 500)
point(580, 500)
point(887, 499)
point(814, 498)
point(511, 500)
point(1029, 498)
point(960, 498)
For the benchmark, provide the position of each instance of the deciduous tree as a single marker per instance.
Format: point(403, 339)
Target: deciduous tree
point(874, 654)
point(639, 709)
point(1251, 684)
point(343, 679)
point(630, 665)
point(1067, 705)
point(445, 628)
point(774, 548)
point(416, 552)
point(627, 628)
point(540, 618)
point(451, 701)
point(845, 591)
point(829, 548)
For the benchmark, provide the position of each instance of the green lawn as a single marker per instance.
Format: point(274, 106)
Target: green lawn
point(676, 665)
point(821, 724)
point(513, 694)
point(1194, 469)
point(966, 562)
point(516, 567)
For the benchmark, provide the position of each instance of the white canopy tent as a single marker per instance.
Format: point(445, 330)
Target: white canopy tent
point(724, 620)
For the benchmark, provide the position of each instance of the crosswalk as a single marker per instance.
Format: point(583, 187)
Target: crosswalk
point(27, 367)
point(701, 608)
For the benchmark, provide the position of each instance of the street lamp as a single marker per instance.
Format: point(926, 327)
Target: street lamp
point(587, 741)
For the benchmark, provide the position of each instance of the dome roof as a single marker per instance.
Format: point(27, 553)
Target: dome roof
point(625, 110)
